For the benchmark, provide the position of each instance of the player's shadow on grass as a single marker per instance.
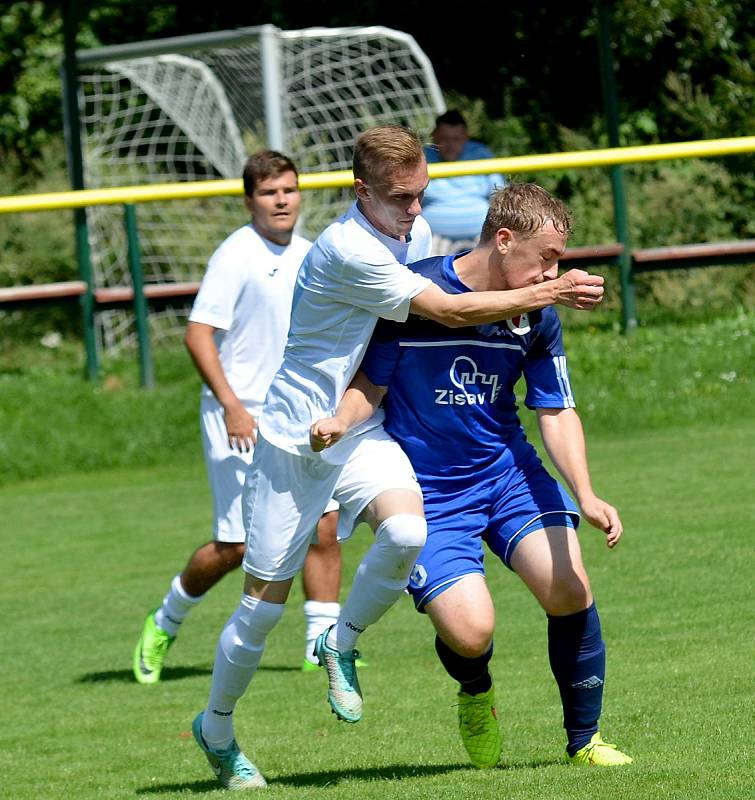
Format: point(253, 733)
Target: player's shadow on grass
point(334, 777)
point(318, 779)
point(169, 673)
point(278, 668)
point(127, 676)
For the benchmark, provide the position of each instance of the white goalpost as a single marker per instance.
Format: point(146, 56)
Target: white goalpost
point(193, 108)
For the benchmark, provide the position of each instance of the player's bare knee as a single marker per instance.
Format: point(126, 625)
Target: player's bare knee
point(326, 530)
point(473, 642)
point(568, 596)
point(231, 554)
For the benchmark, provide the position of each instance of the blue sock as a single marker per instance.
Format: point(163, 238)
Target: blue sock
point(578, 662)
point(471, 673)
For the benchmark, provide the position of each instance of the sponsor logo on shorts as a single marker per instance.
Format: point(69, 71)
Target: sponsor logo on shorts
point(475, 388)
point(418, 577)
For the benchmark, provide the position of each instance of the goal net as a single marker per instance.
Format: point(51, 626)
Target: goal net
point(193, 108)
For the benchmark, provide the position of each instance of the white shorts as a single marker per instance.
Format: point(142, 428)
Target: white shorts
point(285, 494)
point(226, 471)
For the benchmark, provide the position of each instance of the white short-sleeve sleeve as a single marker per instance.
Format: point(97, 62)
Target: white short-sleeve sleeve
point(219, 291)
point(385, 288)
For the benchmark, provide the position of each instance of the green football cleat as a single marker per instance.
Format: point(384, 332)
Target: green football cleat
point(231, 767)
point(478, 726)
point(150, 651)
point(597, 753)
point(344, 694)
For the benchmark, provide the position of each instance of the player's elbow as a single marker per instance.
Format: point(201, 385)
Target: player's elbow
point(189, 339)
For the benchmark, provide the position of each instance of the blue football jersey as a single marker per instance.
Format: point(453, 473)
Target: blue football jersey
point(451, 402)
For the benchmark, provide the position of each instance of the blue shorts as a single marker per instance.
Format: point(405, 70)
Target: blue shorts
point(499, 506)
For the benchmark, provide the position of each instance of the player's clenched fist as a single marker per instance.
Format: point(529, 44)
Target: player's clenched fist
point(579, 289)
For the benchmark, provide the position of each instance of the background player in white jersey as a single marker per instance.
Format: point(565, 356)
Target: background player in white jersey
point(236, 335)
point(450, 403)
point(353, 274)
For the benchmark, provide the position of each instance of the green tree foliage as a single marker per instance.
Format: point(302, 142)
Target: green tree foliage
point(685, 64)
point(30, 46)
point(528, 80)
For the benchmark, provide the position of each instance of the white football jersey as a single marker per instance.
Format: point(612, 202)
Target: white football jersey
point(246, 294)
point(352, 275)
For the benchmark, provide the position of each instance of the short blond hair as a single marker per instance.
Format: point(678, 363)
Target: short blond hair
point(382, 151)
point(524, 208)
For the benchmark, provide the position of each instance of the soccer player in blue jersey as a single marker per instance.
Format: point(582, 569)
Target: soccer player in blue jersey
point(448, 397)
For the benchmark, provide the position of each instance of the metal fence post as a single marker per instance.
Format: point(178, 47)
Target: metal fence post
point(620, 216)
point(76, 171)
point(141, 312)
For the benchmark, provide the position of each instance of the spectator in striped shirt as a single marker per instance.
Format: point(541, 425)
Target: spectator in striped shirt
point(456, 207)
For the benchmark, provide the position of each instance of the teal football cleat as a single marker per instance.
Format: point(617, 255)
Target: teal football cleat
point(231, 767)
point(344, 694)
point(150, 651)
point(310, 666)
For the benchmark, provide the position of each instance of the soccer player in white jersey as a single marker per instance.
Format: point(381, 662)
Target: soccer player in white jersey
point(354, 274)
point(449, 402)
point(236, 335)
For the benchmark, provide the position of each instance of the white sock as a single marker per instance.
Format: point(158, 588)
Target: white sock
point(239, 651)
point(175, 608)
point(319, 616)
point(380, 578)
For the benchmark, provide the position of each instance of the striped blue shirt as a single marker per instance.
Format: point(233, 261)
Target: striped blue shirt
point(456, 207)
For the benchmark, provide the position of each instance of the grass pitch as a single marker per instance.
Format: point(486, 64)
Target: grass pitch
point(85, 556)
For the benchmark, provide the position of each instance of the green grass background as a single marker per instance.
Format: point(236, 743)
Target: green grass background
point(105, 496)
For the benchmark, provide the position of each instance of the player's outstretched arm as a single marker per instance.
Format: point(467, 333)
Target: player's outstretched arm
point(564, 439)
point(575, 289)
point(240, 424)
point(358, 403)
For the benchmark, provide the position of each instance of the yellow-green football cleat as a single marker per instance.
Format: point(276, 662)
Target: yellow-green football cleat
point(478, 726)
point(150, 651)
point(597, 753)
point(231, 767)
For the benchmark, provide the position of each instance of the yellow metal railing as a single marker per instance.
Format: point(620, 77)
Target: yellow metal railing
point(326, 180)
point(129, 195)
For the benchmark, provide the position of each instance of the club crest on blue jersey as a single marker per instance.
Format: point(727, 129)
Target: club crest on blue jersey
point(519, 325)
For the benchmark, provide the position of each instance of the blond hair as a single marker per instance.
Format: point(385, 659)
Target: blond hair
point(524, 208)
point(382, 151)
